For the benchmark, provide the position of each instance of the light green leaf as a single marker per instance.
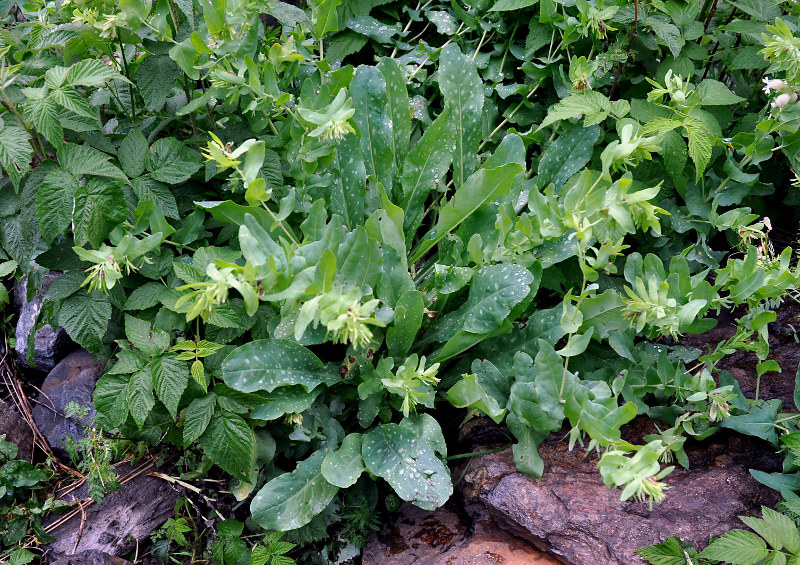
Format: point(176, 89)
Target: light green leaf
point(407, 322)
point(229, 443)
point(15, 152)
point(508, 5)
point(84, 160)
point(291, 500)
point(43, 114)
point(738, 547)
point(699, 149)
point(111, 401)
point(462, 90)
point(91, 72)
point(285, 400)
point(344, 466)
point(324, 16)
point(592, 104)
point(269, 363)
point(408, 464)
point(349, 182)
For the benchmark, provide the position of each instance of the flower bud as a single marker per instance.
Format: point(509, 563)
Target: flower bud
point(783, 99)
point(775, 84)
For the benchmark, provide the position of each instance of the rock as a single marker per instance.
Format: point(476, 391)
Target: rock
point(50, 345)
point(571, 514)
point(90, 557)
point(132, 513)
point(72, 380)
point(443, 537)
point(16, 430)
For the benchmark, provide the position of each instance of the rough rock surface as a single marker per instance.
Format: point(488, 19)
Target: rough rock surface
point(72, 380)
point(443, 537)
point(571, 514)
point(132, 513)
point(90, 557)
point(16, 430)
point(51, 345)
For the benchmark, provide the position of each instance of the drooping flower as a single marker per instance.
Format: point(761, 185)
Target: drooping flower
point(776, 84)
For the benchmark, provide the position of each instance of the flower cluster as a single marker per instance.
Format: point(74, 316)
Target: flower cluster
point(782, 87)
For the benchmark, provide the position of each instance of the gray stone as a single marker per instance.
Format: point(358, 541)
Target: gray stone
point(72, 380)
point(16, 430)
point(572, 515)
point(90, 557)
point(124, 517)
point(50, 345)
point(444, 536)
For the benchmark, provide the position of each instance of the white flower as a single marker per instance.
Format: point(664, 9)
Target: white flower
point(775, 84)
point(783, 99)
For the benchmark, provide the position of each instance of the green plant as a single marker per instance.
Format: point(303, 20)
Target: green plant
point(291, 244)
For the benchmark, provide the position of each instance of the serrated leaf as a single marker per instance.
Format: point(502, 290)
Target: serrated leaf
point(699, 149)
point(269, 363)
point(132, 152)
point(99, 206)
point(70, 99)
point(170, 161)
point(344, 466)
point(199, 373)
point(170, 379)
point(85, 316)
point(592, 104)
point(15, 152)
point(43, 114)
point(198, 415)
point(462, 90)
point(155, 78)
point(150, 189)
point(148, 339)
point(291, 500)
point(91, 72)
point(84, 160)
point(668, 552)
point(54, 203)
point(738, 547)
point(229, 443)
point(408, 464)
point(111, 401)
point(139, 394)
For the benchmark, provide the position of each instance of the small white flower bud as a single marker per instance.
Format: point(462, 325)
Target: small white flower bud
point(776, 84)
point(782, 100)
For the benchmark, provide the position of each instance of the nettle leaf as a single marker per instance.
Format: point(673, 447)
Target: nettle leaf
point(738, 547)
point(139, 394)
point(291, 500)
point(85, 317)
point(368, 89)
point(269, 363)
point(344, 466)
point(54, 202)
point(170, 379)
point(408, 464)
point(99, 206)
point(155, 77)
point(198, 416)
point(132, 152)
point(229, 443)
point(170, 161)
point(592, 104)
point(462, 89)
point(43, 114)
point(15, 152)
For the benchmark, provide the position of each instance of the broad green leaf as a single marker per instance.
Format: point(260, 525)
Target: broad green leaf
point(170, 379)
point(170, 161)
point(426, 163)
point(398, 108)
point(155, 78)
point(150, 340)
point(85, 316)
point(324, 16)
point(469, 393)
point(269, 363)
point(132, 152)
point(526, 456)
point(481, 187)
point(344, 466)
point(462, 90)
point(759, 422)
point(591, 104)
point(738, 547)
point(715, 93)
point(228, 441)
point(110, 401)
point(143, 297)
point(508, 5)
point(359, 259)
point(567, 155)
point(601, 420)
point(407, 322)
point(91, 72)
point(198, 415)
point(15, 152)
point(291, 500)
point(700, 147)
point(99, 205)
point(368, 89)
point(84, 160)
point(349, 182)
point(408, 464)
point(668, 552)
point(54, 202)
point(163, 200)
point(285, 400)
point(425, 427)
point(70, 99)
point(139, 394)
point(43, 114)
